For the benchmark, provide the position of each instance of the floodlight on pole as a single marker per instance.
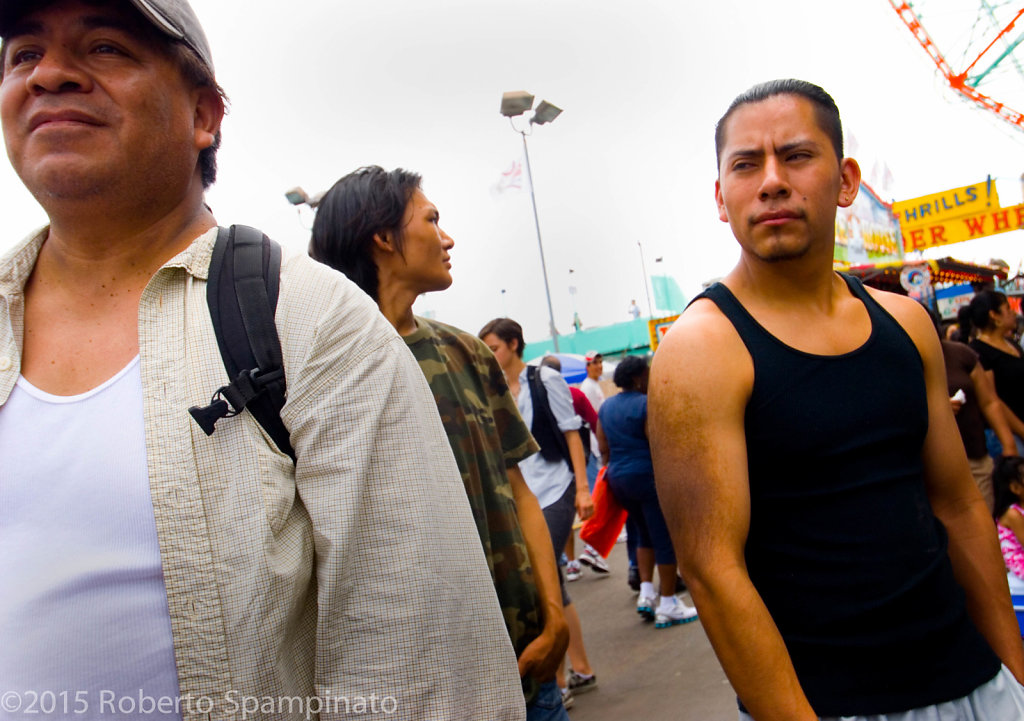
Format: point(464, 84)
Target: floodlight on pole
point(545, 113)
point(514, 104)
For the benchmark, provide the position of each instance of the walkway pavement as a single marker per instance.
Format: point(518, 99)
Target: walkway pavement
point(644, 673)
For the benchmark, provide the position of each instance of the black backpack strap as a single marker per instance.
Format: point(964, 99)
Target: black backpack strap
point(546, 432)
point(585, 431)
point(241, 292)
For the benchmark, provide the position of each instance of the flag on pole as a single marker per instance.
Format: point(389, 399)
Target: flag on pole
point(667, 296)
point(511, 179)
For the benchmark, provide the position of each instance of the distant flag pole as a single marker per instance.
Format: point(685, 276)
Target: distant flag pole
point(643, 269)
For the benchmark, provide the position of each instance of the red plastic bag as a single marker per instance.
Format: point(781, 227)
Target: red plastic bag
point(603, 528)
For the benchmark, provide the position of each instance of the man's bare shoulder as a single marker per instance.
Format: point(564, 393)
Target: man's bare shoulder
point(703, 353)
point(910, 314)
point(700, 384)
point(701, 330)
point(892, 301)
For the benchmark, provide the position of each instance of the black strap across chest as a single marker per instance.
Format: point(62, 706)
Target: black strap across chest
point(241, 292)
point(549, 437)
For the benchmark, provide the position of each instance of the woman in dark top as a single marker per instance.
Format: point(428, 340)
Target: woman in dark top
point(622, 438)
point(991, 319)
point(976, 403)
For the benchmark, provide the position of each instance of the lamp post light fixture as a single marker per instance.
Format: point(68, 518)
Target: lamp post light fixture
point(514, 104)
point(545, 113)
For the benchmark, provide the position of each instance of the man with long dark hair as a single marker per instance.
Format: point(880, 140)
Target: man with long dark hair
point(379, 228)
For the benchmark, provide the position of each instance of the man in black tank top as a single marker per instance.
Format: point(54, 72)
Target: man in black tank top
point(807, 460)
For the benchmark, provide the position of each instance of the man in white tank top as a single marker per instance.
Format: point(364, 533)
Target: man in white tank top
point(147, 569)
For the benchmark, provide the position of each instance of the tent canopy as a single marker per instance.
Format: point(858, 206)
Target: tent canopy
point(886, 276)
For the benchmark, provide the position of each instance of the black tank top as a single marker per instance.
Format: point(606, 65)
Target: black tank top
point(843, 545)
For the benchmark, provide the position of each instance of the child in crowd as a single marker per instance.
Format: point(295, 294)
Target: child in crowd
point(1008, 484)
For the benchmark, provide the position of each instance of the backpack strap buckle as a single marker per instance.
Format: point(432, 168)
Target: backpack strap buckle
point(230, 400)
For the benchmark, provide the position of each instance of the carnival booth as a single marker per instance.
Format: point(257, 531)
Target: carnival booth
point(946, 284)
point(873, 237)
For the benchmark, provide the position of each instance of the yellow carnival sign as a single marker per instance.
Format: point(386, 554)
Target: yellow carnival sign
point(941, 207)
point(957, 230)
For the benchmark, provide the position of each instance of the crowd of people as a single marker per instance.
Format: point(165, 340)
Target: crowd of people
point(985, 366)
point(396, 551)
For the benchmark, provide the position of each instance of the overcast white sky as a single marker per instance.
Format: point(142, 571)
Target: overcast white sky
point(322, 87)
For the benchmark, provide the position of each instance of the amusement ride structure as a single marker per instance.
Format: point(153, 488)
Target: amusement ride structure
point(974, 50)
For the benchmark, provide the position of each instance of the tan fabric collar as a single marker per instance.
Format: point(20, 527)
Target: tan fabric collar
point(17, 264)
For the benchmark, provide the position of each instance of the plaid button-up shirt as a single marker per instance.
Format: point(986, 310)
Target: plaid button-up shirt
point(355, 574)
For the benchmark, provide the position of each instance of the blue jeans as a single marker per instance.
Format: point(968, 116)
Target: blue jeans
point(637, 494)
point(632, 538)
point(593, 466)
point(547, 706)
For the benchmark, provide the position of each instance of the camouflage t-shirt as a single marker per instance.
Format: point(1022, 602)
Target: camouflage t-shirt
point(487, 435)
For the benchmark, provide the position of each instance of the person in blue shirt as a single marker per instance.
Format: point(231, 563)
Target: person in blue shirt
point(622, 438)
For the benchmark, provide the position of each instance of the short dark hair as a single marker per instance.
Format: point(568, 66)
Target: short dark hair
point(628, 370)
point(506, 329)
point(365, 202)
point(195, 72)
point(825, 110)
point(551, 362)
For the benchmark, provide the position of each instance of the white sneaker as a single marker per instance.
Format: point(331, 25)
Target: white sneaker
point(573, 571)
point(592, 558)
point(645, 606)
point(580, 684)
point(674, 614)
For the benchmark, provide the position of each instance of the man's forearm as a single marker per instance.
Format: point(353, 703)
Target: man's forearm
point(541, 657)
point(584, 503)
point(748, 644)
point(979, 569)
point(579, 458)
point(996, 418)
point(1015, 423)
point(542, 555)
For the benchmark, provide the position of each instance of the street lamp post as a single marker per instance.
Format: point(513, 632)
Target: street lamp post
point(514, 104)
